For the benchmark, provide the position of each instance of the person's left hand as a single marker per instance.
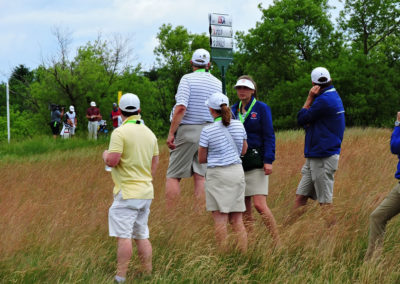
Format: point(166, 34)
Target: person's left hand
point(267, 169)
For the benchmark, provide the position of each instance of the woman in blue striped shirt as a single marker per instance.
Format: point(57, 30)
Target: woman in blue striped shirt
point(257, 120)
point(221, 145)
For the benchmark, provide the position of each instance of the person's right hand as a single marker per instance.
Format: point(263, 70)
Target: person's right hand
point(314, 91)
point(170, 141)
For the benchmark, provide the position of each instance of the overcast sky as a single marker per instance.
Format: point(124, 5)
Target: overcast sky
point(26, 25)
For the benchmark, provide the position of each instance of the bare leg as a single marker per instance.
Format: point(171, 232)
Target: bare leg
point(248, 215)
point(199, 192)
point(299, 209)
point(239, 229)
point(145, 252)
point(221, 232)
point(260, 203)
point(172, 192)
point(301, 200)
point(124, 255)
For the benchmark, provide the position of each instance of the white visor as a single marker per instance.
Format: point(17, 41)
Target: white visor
point(245, 83)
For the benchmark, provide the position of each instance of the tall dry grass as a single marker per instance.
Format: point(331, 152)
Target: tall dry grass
point(54, 228)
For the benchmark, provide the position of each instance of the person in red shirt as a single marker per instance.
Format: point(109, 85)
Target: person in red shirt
point(115, 115)
point(94, 116)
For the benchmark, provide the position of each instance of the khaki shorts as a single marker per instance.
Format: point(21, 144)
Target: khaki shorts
point(225, 189)
point(127, 218)
point(318, 178)
point(256, 182)
point(183, 160)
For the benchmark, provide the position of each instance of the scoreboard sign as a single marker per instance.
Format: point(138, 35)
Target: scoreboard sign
point(221, 41)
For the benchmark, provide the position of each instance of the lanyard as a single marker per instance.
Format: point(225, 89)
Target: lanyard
point(218, 119)
point(248, 111)
point(131, 121)
point(200, 70)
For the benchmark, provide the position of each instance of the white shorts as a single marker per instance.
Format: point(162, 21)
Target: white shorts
point(127, 218)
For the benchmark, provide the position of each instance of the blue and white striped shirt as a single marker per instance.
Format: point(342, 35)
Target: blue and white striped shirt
point(193, 90)
point(220, 150)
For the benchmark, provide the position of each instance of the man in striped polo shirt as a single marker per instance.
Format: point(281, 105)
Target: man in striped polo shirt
point(188, 117)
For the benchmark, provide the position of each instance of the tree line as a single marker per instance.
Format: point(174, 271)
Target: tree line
point(361, 50)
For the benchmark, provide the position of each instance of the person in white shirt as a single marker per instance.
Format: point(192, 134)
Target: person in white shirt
point(72, 121)
point(221, 145)
point(188, 118)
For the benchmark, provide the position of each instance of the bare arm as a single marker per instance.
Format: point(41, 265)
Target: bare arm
point(202, 155)
point(154, 164)
point(179, 112)
point(111, 159)
point(244, 147)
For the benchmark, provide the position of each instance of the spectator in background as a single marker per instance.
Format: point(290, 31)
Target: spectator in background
point(189, 116)
point(133, 156)
point(71, 120)
point(116, 116)
point(93, 115)
point(389, 207)
point(56, 116)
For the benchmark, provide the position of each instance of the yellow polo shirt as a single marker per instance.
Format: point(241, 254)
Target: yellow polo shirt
point(137, 145)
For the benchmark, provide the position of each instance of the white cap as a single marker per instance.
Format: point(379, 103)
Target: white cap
point(216, 100)
point(129, 103)
point(246, 83)
point(200, 57)
point(93, 104)
point(71, 108)
point(320, 75)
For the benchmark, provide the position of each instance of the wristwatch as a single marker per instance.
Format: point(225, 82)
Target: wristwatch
point(396, 123)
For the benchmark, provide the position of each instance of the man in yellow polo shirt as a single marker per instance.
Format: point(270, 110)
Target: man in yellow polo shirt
point(133, 156)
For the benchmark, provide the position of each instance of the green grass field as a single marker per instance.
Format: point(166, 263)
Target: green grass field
point(55, 196)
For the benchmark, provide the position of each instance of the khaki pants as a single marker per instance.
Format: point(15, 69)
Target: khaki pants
point(389, 208)
point(318, 178)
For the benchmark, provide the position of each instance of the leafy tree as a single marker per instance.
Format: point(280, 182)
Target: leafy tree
point(93, 74)
point(20, 94)
point(292, 34)
point(293, 37)
point(173, 54)
point(174, 51)
point(367, 23)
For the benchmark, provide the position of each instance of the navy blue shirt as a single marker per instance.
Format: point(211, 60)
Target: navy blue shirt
point(395, 148)
point(259, 129)
point(324, 124)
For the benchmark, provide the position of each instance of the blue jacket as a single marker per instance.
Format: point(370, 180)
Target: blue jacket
point(395, 148)
point(259, 129)
point(324, 124)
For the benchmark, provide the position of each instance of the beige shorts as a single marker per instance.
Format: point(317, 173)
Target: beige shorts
point(183, 160)
point(318, 178)
point(256, 182)
point(127, 218)
point(225, 189)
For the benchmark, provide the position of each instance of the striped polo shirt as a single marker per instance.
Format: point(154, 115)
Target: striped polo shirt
point(220, 150)
point(193, 90)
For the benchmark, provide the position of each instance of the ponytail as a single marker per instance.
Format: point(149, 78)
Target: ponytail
point(226, 115)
